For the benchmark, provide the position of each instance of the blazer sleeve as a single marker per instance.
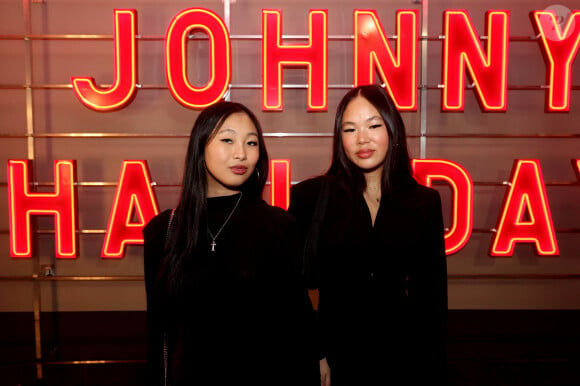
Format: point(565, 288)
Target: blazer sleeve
point(301, 359)
point(154, 242)
point(302, 206)
point(303, 201)
point(430, 288)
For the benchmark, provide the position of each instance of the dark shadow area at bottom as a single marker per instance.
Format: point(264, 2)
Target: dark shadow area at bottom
point(485, 347)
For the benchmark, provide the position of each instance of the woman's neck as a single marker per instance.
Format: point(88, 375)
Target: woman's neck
point(221, 192)
point(372, 193)
point(374, 179)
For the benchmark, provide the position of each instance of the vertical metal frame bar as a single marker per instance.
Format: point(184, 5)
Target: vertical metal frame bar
point(423, 102)
point(227, 19)
point(30, 148)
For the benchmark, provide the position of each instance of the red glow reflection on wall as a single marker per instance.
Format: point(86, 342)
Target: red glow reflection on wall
point(425, 172)
point(526, 213)
point(125, 77)
point(280, 183)
point(185, 23)
point(22, 204)
point(134, 200)
point(373, 53)
point(488, 71)
point(276, 56)
point(560, 49)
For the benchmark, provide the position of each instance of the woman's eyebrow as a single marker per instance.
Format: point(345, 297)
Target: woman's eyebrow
point(224, 129)
point(367, 120)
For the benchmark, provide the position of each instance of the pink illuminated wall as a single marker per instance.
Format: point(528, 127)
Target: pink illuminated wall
point(96, 105)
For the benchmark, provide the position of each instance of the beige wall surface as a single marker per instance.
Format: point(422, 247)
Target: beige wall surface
point(62, 44)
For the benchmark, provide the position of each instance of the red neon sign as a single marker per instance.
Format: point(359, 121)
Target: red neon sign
point(526, 214)
point(134, 198)
point(185, 22)
point(125, 77)
point(313, 56)
point(22, 205)
point(560, 50)
point(280, 183)
point(462, 49)
point(427, 170)
point(373, 52)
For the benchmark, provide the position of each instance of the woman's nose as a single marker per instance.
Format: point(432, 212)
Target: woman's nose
point(240, 152)
point(362, 136)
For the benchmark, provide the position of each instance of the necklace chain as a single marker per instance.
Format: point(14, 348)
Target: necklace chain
point(376, 197)
point(213, 243)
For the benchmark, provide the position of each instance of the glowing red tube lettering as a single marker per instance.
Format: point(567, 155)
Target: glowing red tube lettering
point(462, 48)
point(372, 52)
point(313, 56)
point(185, 22)
point(560, 49)
point(134, 197)
point(526, 214)
point(280, 183)
point(427, 170)
point(22, 204)
point(125, 77)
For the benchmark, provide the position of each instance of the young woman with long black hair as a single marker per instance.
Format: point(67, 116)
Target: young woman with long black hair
point(379, 261)
point(225, 301)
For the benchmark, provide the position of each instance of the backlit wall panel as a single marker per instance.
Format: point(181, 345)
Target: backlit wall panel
point(155, 127)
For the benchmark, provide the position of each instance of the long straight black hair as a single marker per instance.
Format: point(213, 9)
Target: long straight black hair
point(190, 212)
point(397, 174)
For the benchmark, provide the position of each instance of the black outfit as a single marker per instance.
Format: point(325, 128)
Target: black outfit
point(382, 288)
point(245, 317)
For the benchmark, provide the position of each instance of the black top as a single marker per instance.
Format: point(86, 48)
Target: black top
point(245, 316)
point(382, 288)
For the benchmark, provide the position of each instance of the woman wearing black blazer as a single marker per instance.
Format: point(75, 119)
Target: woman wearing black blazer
point(378, 256)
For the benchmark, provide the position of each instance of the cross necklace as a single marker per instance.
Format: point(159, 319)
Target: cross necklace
point(213, 243)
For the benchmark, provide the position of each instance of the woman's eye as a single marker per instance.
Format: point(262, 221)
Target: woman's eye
point(348, 130)
point(253, 143)
point(227, 140)
point(378, 125)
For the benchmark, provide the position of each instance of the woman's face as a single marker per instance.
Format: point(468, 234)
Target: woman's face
point(364, 135)
point(231, 155)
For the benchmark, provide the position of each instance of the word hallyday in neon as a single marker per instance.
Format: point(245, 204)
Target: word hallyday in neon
point(525, 216)
point(463, 54)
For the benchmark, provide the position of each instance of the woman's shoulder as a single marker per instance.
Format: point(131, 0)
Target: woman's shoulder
point(422, 196)
point(157, 225)
point(306, 195)
point(268, 218)
point(312, 187)
point(316, 183)
point(264, 209)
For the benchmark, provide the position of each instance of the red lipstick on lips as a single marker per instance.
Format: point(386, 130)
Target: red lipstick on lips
point(367, 153)
point(239, 169)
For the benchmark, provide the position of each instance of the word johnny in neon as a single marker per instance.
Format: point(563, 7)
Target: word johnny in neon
point(525, 216)
point(463, 52)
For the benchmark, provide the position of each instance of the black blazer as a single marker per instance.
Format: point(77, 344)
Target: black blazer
point(382, 288)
